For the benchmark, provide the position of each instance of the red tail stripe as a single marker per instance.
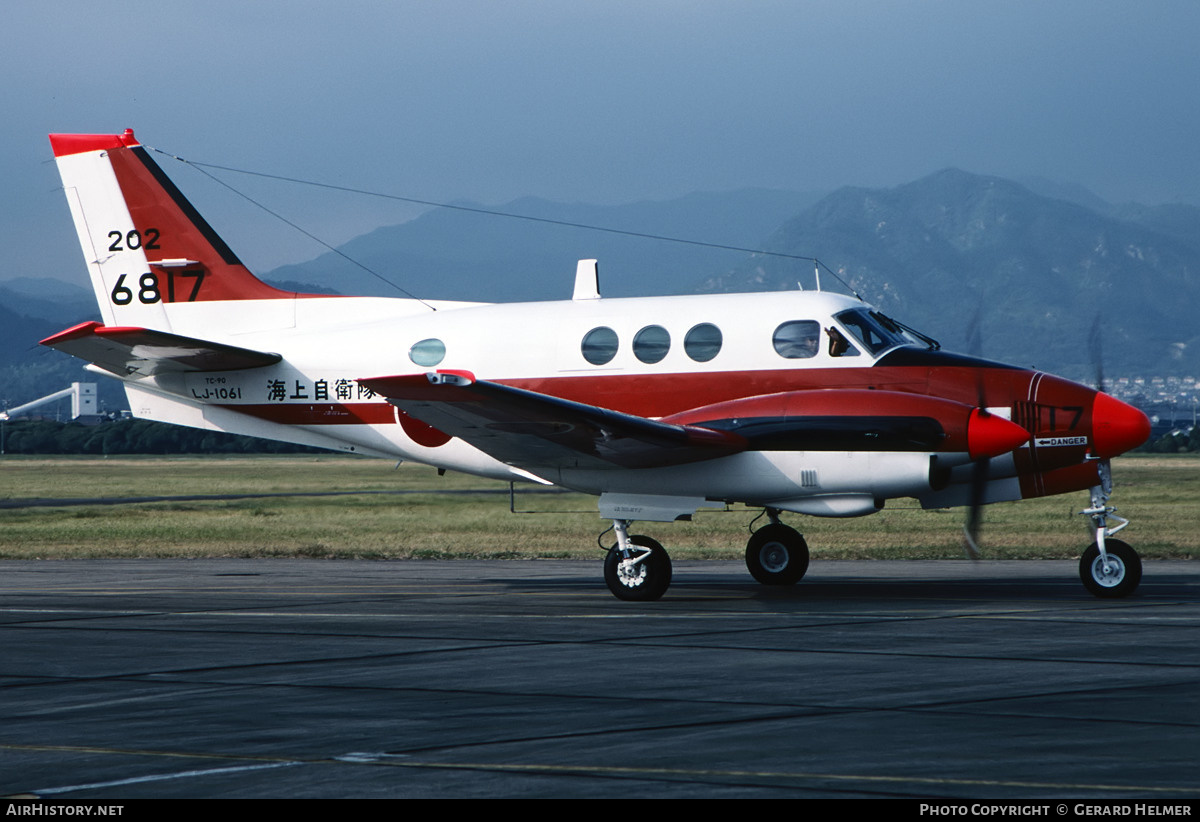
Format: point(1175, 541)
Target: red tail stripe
point(64, 144)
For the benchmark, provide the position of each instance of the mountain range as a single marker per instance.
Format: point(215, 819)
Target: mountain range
point(1034, 273)
point(1037, 273)
point(468, 252)
point(992, 267)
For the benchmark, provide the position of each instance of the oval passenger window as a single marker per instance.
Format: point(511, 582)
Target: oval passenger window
point(599, 345)
point(651, 344)
point(703, 342)
point(427, 352)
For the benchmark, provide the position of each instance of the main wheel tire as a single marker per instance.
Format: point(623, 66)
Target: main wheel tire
point(1123, 576)
point(644, 581)
point(777, 555)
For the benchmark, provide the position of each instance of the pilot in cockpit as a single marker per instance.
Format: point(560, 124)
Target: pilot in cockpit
point(839, 346)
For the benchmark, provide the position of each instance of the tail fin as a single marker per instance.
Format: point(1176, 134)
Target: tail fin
point(145, 244)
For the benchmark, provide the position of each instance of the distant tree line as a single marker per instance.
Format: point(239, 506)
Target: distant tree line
point(1176, 442)
point(132, 436)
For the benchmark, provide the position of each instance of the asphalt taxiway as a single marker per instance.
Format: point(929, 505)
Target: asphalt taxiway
point(294, 678)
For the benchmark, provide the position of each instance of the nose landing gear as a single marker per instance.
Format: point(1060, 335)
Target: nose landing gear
point(1109, 568)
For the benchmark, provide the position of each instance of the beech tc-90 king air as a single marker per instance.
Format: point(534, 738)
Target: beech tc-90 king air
point(808, 402)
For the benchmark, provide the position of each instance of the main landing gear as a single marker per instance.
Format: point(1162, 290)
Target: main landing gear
point(776, 553)
point(638, 569)
point(1109, 568)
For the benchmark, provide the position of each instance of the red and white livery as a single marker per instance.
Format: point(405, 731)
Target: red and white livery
point(807, 401)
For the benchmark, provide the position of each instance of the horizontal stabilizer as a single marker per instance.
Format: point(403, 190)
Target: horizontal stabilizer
point(537, 431)
point(142, 352)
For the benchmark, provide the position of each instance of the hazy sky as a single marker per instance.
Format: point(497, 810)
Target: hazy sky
point(588, 100)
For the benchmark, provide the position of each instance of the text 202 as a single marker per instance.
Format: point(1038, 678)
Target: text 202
point(133, 240)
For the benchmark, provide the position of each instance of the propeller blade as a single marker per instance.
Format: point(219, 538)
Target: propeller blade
point(975, 510)
point(975, 333)
point(979, 473)
point(1096, 349)
point(970, 547)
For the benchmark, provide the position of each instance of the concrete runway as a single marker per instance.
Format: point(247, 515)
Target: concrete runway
point(293, 678)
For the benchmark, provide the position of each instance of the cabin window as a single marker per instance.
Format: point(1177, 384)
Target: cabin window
point(428, 352)
point(703, 342)
point(600, 345)
point(651, 344)
point(798, 339)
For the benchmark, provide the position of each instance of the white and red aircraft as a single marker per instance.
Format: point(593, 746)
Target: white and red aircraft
point(807, 401)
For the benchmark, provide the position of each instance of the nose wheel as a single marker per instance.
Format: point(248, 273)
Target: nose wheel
point(1115, 575)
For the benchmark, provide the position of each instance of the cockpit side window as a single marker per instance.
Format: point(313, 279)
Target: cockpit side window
point(872, 336)
point(798, 339)
point(878, 332)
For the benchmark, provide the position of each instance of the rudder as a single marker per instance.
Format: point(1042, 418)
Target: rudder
point(145, 244)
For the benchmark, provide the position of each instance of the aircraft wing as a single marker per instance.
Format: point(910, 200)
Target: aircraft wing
point(127, 351)
point(532, 430)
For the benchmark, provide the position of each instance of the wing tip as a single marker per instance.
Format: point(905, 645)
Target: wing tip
point(75, 332)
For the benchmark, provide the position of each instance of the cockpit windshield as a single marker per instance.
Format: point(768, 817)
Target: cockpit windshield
point(879, 332)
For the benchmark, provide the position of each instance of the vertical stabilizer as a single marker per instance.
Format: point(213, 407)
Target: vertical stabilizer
point(146, 246)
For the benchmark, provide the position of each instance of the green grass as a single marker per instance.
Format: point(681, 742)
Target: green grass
point(1158, 493)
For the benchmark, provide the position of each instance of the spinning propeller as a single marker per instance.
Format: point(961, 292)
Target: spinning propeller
point(1096, 349)
point(979, 471)
point(1116, 427)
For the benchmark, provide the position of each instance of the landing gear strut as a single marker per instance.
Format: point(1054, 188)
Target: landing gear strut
point(637, 568)
point(776, 553)
point(1109, 568)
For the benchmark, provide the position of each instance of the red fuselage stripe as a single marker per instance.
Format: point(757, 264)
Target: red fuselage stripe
point(329, 413)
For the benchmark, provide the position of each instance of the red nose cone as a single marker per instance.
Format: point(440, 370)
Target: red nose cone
point(990, 436)
point(1116, 427)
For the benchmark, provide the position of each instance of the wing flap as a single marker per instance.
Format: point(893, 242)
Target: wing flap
point(127, 351)
point(537, 431)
